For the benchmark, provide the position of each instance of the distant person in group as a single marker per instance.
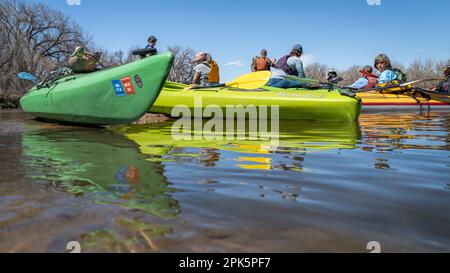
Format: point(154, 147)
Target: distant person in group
point(82, 61)
point(262, 63)
point(152, 44)
point(332, 76)
point(289, 64)
point(202, 70)
point(214, 74)
point(367, 81)
point(384, 66)
point(443, 87)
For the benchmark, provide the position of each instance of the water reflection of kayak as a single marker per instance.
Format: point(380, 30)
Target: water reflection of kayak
point(98, 163)
point(294, 137)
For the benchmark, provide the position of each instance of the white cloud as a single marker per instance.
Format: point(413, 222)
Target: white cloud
point(73, 2)
point(234, 63)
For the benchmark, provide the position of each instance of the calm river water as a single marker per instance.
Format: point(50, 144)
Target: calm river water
point(324, 187)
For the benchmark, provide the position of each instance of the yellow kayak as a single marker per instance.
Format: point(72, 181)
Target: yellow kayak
point(293, 104)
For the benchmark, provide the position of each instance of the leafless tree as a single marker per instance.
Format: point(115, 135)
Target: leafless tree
point(426, 69)
point(182, 69)
point(111, 59)
point(35, 39)
point(316, 71)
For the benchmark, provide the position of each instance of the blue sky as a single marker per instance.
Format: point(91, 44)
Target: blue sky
point(338, 33)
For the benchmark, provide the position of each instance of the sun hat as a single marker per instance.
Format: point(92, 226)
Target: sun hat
point(200, 56)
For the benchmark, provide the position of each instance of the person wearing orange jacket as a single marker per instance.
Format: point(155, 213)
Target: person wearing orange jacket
point(262, 63)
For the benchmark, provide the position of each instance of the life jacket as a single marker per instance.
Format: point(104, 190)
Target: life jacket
point(372, 82)
point(214, 74)
point(282, 64)
point(261, 64)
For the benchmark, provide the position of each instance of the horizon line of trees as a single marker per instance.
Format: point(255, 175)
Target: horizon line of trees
point(37, 39)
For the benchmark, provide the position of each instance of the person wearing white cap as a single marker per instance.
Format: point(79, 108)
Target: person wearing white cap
point(152, 43)
point(201, 69)
point(332, 73)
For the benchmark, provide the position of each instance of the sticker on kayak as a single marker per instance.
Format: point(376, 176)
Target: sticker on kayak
point(118, 88)
point(128, 86)
point(138, 81)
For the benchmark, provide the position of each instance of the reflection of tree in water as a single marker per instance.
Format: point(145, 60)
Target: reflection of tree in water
point(446, 125)
point(389, 132)
point(100, 164)
point(382, 164)
point(209, 157)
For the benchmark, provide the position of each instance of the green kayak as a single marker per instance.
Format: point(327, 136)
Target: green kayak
point(117, 95)
point(293, 104)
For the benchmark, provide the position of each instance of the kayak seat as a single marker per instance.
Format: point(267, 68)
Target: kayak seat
point(144, 52)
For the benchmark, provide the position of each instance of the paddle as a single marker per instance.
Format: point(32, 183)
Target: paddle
point(431, 94)
point(397, 87)
point(248, 81)
point(314, 81)
point(27, 76)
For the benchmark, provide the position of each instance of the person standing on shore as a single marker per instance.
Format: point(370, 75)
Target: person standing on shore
point(152, 44)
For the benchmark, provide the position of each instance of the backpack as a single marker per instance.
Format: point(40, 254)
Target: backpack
point(214, 75)
point(282, 64)
point(401, 76)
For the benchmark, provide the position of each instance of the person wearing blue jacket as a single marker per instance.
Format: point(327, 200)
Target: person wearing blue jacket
point(384, 66)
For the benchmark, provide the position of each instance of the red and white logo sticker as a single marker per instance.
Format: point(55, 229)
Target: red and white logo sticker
point(127, 85)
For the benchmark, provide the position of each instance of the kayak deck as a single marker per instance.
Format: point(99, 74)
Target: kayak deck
point(291, 104)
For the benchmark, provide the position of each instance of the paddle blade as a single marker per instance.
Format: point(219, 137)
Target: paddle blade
point(251, 81)
point(27, 76)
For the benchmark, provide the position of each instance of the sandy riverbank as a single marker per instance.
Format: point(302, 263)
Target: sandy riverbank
point(146, 119)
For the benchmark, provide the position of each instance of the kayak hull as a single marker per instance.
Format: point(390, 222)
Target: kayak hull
point(286, 104)
point(117, 95)
point(373, 101)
